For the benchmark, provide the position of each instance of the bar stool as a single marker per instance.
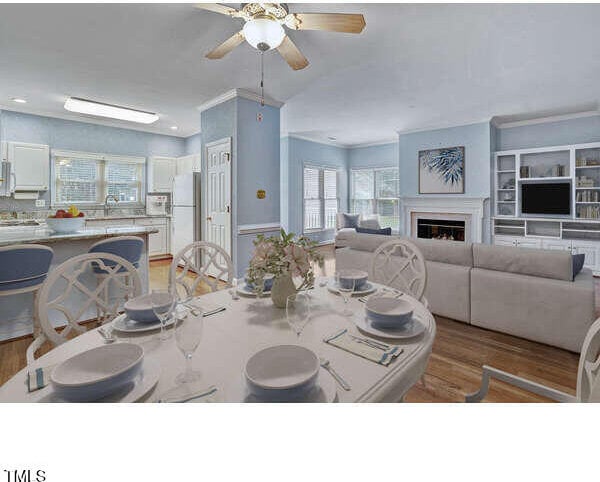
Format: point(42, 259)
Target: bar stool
point(126, 247)
point(23, 269)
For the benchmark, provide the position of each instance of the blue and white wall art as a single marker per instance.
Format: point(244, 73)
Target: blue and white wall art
point(442, 171)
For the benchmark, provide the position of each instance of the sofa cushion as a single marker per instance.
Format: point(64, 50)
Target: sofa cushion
point(368, 242)
point(441, 251)
point(543, 263)
point(384, 231)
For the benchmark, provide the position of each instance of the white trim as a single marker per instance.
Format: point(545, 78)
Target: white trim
point(447, 125)
point(317, 141)
point(373, 144)
point(545, 120)
point(243, 93)
point(474, 206)
point(258, 228)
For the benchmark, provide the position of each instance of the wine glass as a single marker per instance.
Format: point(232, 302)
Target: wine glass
point(164, 302)
point(346, 287)
point(188, 334)
point(297, 311)
point(234, 287)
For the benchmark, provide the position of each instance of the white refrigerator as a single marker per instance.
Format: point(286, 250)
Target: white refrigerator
point(185, 211)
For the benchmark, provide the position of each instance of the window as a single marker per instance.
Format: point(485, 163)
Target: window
point(85, 178)
point(320, 198)
point(376, 191)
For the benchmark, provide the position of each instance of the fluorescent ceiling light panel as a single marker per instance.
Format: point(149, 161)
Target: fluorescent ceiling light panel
point(83, 106)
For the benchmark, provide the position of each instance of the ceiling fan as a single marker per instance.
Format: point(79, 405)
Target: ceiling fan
point(263, 28)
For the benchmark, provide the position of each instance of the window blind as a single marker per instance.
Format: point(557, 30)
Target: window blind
point(377, 191)
point(320, 198)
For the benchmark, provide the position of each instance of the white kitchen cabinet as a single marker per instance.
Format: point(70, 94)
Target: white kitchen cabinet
point(31, 165)
point(188, 164)
point(158, 243)
point(161, 173)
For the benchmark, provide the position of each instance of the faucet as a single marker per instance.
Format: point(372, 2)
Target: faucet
point(106, 208)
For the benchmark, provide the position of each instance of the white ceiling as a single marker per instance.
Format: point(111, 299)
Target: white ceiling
point(414, 66)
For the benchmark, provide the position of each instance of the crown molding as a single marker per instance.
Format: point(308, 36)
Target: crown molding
point(447, 125)
point(373, 144)
point(545, 120)
point(317, 141)
point(232, 94)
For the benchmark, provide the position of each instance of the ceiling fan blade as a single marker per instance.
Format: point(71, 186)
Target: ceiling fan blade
point(288, 50)
point(217, 8)
point(227, 46)
point(334, 22)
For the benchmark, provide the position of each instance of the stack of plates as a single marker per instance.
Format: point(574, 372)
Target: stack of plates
point(286, 373)
point(106, 373)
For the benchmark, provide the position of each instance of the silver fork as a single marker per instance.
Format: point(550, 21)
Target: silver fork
point(326, 364)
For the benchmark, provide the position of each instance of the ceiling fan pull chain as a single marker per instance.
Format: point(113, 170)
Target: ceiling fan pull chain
point(262, 79)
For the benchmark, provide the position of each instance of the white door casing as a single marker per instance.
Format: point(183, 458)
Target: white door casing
point(218, 194)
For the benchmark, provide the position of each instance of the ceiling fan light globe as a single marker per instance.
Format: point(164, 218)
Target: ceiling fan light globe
point(263, 33)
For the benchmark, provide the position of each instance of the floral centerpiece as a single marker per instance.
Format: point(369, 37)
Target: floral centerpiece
point(285, 257)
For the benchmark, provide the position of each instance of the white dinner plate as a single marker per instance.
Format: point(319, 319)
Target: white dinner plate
point(410, 330)
point(141, 385)
point(245, 290)
point(324, 392)
point(126, 325)
point(367, 290)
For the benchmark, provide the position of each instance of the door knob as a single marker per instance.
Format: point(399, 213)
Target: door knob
point(208, 218)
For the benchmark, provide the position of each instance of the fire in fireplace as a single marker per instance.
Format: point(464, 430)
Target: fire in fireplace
point(446, 229)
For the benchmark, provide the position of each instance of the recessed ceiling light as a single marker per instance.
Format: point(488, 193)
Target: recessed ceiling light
point(174, 128)
point(84, 106)
point(19, 100)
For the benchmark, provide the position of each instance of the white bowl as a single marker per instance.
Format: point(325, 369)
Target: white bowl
point(65, 225)
point(389, 312)
point(348, 276)
point(282, 372)
point(98, 372)
point(140, 309)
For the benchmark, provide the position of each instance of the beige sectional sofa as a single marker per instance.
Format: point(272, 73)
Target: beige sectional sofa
point(525, 292)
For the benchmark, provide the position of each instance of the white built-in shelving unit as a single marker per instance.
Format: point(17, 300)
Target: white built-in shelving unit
point(579, 232)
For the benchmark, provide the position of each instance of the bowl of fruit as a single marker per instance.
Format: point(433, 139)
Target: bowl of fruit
point(69, 221)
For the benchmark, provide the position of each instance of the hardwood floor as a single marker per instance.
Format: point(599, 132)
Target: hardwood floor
point(454, 368)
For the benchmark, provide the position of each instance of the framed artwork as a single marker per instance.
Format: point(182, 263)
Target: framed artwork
point(442, 171)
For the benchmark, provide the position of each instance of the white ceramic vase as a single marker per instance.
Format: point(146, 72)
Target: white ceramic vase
point(283, 286)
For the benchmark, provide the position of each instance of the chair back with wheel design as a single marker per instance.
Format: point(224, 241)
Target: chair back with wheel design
point(400, 264)
point(588, 374)
point(71, 293)
point(201, 262)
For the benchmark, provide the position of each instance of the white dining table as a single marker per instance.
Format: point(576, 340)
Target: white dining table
point(248, 325)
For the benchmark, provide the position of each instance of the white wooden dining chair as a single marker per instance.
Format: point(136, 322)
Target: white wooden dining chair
point(206, 263)
point(588, 375)
point(71, 293)
point(399, 264)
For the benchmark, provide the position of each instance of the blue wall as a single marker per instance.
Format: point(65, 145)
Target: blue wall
point(571, 131)
point(384, 155)
point(475, 138)
point(300, 152)
point(193, 144)
point(81, 136)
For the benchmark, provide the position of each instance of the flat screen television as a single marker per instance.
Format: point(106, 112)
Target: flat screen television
point(546, 198)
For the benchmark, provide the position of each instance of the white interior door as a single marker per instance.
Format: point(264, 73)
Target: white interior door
point(218, 195)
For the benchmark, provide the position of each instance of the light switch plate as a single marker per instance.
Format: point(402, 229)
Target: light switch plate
point(40, 203)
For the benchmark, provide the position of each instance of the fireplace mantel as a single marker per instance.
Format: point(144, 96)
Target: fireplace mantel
point(475, 207)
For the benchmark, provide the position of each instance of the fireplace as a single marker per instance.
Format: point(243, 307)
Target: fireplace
point(444, 229)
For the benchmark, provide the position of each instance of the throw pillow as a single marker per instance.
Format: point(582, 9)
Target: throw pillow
point(350, 220)
point(385, 231)
point(369, 223)
point(578, 260)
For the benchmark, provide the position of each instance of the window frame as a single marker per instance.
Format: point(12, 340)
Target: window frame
point(321, 173)
point(102, 161)
point(374, 200)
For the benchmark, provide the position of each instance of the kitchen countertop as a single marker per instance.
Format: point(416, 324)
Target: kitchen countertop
point(42, 234)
